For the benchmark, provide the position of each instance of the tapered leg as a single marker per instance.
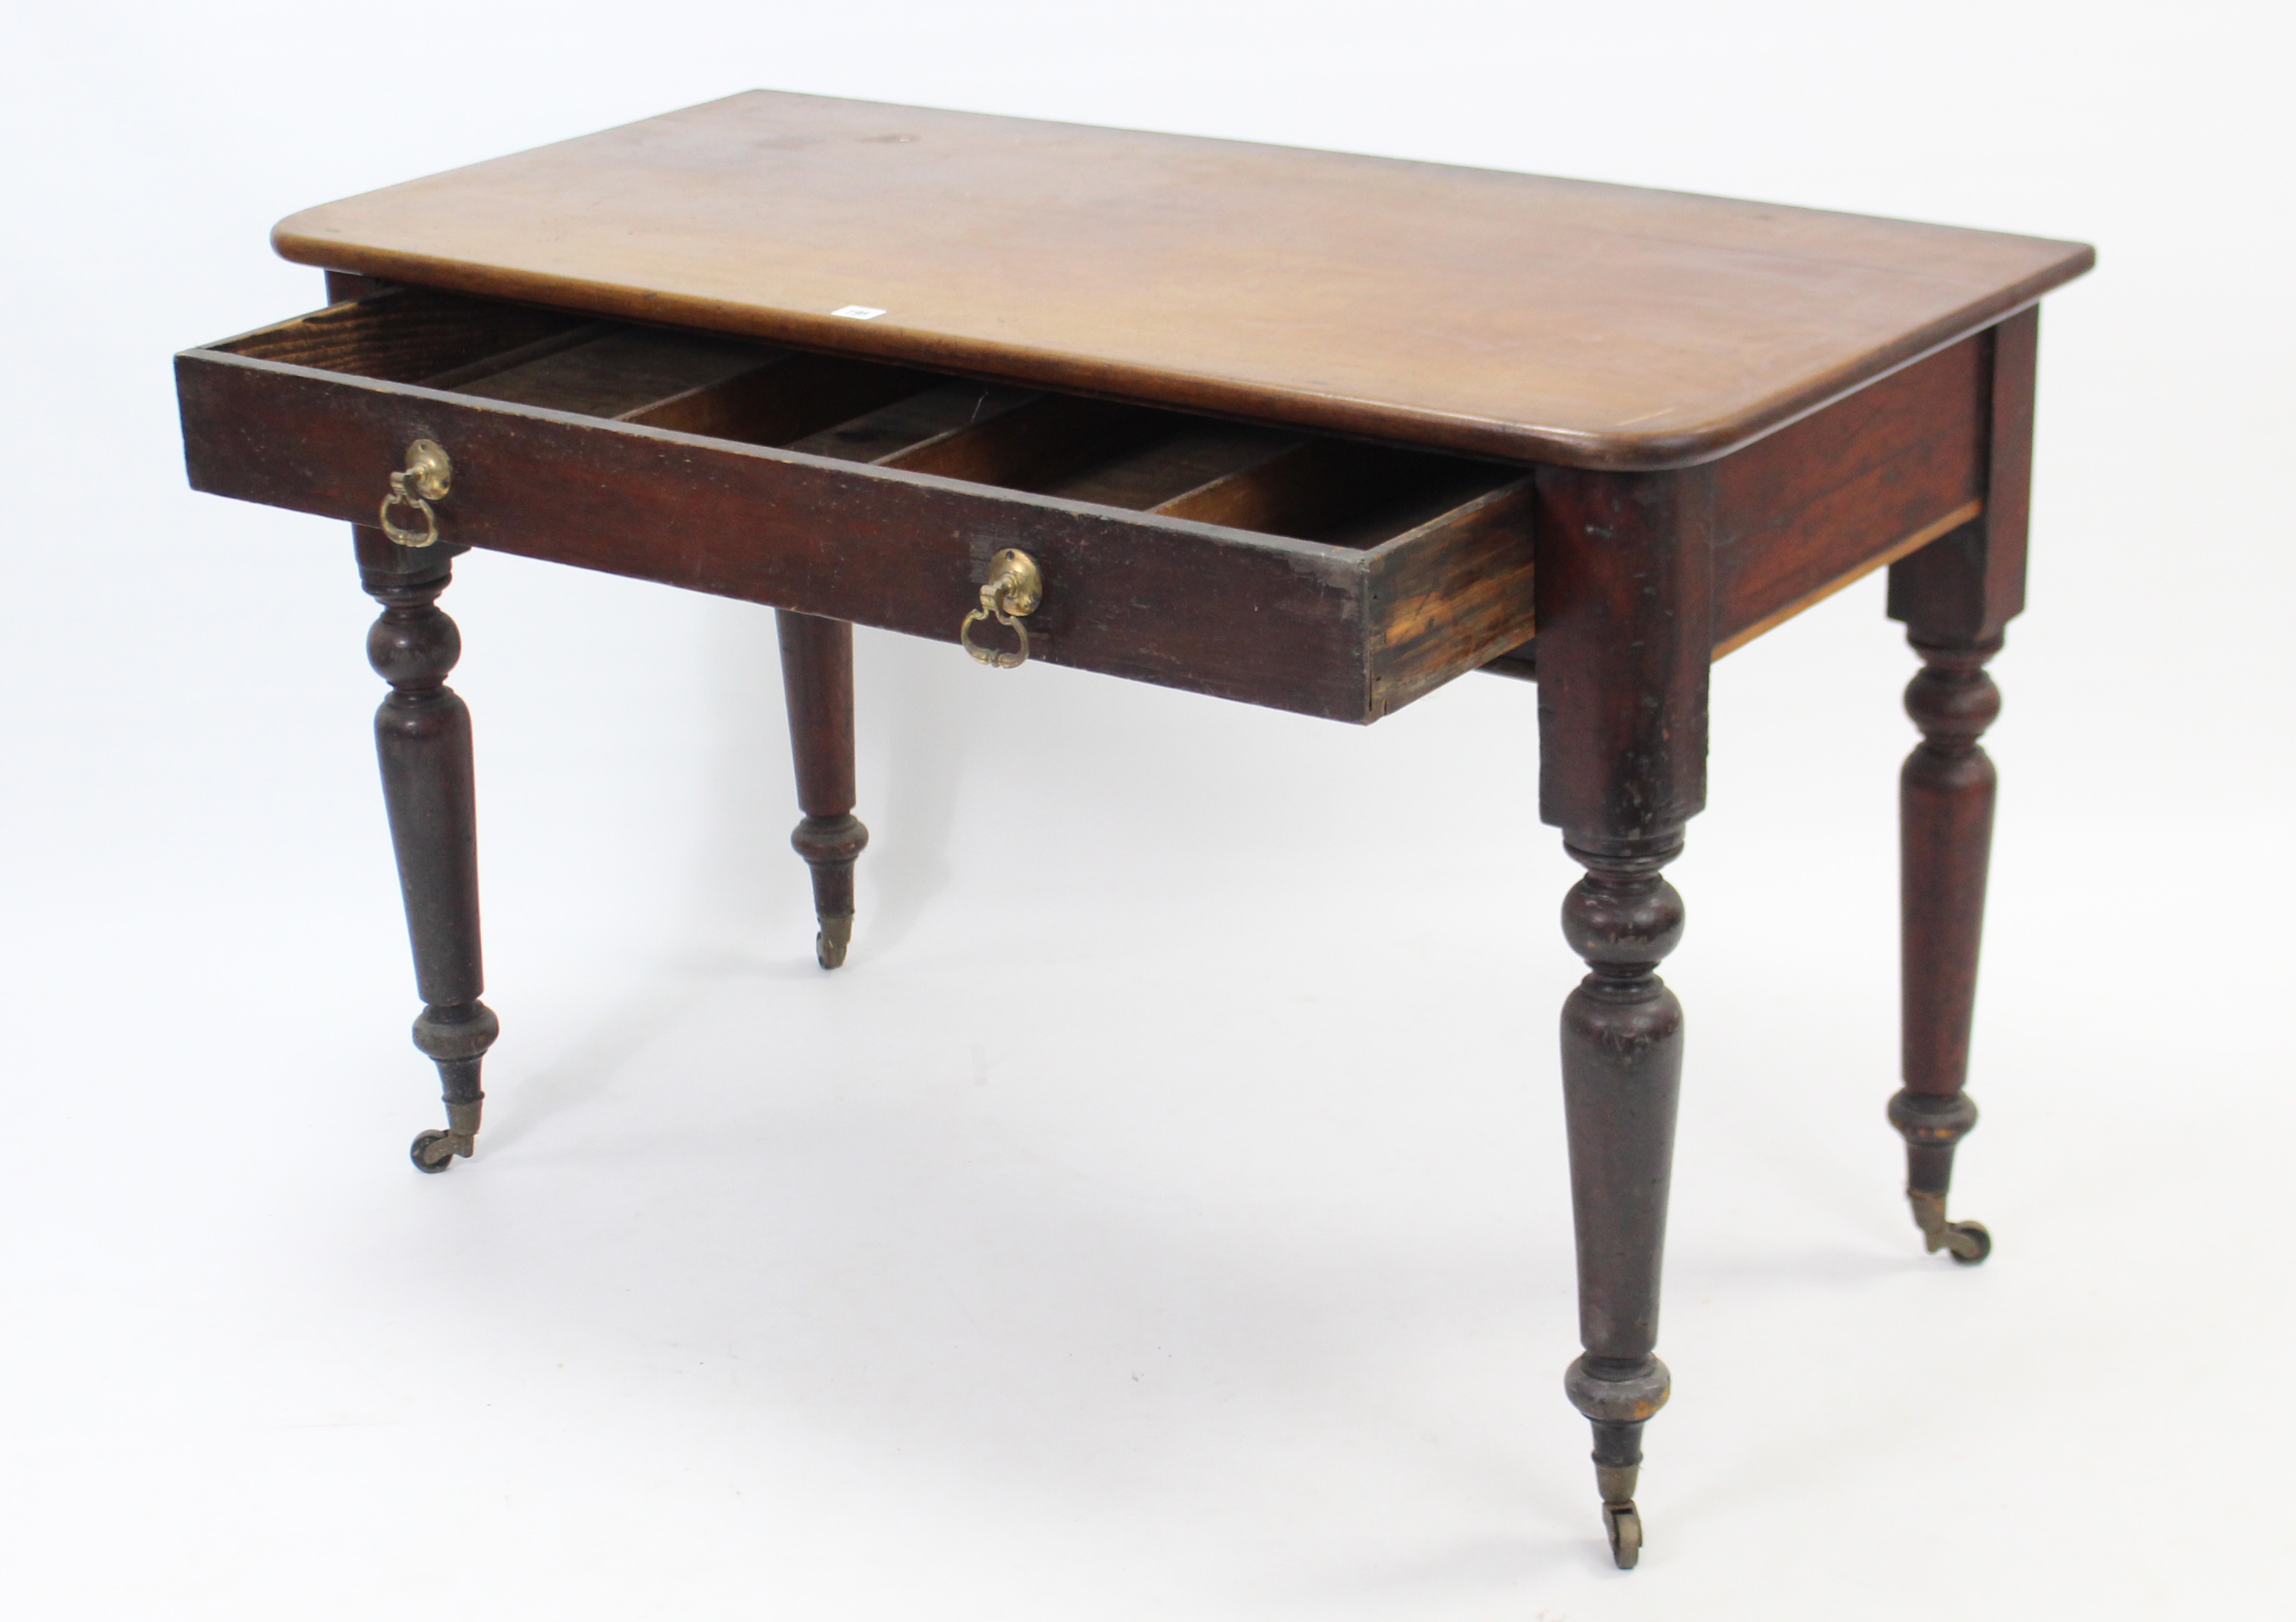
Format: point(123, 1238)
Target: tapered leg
point(1621, 1076)
point(1625, 638)
point(1944, 809)
point(1955, 596)
point(817, 680)
point(422, 741)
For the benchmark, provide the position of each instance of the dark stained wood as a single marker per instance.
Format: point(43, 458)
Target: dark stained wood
point(1625, 615)
point(1124, 593)
point(403, 337)
point(1734, 410)
point(817, 680)
point(622, 371)
point(1871, 479)
point(1160, 477)
point(1292, 623)
point(1519, 663)
point(1964, 588)
point(344, 286)
point(1621, 1084)
point(1312, 488)
point(1819, 505)
point(495, 363)
point(1506, 314)
point(1047, 445)
point(797, 396)
point(1157, 473)
point(423, 743)
point(1945, 797)
point(1956, 596)
point(917, 422)
point(1255, 491)
point(2009, 477)
point(1948, 788)
point(1625, 612)
point(1428, 496)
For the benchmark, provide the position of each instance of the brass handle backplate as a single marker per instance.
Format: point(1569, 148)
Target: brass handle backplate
point(1014, 591)
point(427, 477)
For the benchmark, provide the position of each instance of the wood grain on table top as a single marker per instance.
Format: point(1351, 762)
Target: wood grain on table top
point(1498, 314)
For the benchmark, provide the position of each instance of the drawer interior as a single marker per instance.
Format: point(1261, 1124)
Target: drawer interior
point(1270, 480)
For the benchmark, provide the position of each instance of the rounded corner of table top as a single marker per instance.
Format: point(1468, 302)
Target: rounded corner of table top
point(294, 239)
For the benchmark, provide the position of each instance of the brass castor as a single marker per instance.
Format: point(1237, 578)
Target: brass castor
point(1969, 1243)
point(1624, 1523)
point(829, 946)
point(435, 1151)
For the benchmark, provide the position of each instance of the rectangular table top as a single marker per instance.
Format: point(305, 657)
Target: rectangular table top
point(1498, 314)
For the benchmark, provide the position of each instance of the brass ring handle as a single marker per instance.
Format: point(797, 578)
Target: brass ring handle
point(427, 477)
point(1014, 589)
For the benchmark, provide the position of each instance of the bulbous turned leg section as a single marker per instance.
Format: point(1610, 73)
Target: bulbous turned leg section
point(1930, 1127)
point(1617, 1394)
point(817, 681)
point(456, 1039)
point(422, 743)
point(1621, 1077)
point(1945, 797)
point(829, 845)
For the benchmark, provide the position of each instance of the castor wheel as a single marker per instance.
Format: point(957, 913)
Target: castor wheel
point(1969, 1241)
point(432, 1151)
point(1624, 1523)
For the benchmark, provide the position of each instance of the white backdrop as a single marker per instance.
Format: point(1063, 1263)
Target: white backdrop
point(1164, 1214)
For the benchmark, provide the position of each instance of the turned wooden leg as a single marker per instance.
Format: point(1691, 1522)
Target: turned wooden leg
point(1955, 596)
point(1946, 833)
point(422, 740)
point(1625, 639)
point(817, 680)
point(1621, 1076)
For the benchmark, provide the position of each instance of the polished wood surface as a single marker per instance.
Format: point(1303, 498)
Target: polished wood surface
point(1106, 349)
point(1507, 315)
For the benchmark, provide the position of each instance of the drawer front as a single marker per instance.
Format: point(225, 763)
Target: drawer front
point(1432, 579)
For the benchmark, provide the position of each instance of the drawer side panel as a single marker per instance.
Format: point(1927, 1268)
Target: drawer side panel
point(1449, 596)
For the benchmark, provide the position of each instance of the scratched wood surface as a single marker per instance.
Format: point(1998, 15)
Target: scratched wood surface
point(1508, 315)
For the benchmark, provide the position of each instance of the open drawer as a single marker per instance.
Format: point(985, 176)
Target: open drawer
point(1312, 574)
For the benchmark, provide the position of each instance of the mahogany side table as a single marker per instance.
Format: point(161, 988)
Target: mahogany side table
point(1298, 429)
